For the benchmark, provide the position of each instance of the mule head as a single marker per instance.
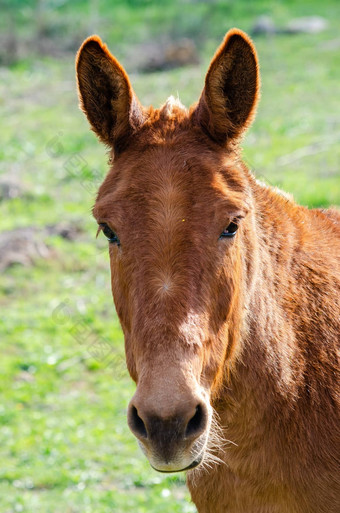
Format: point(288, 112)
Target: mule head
point(176, 207)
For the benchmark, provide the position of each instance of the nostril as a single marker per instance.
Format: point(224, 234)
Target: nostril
point(197, 423)
point(136, 423)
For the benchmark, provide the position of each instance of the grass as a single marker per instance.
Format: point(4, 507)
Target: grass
point(64, 443)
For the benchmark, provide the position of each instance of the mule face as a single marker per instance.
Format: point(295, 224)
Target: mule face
point(177, 210)
point(173, 281)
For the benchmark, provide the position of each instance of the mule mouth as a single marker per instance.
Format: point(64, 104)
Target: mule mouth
point(192, 465)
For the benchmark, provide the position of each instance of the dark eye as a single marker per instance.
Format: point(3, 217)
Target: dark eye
point(109, 234)
point(230, 230)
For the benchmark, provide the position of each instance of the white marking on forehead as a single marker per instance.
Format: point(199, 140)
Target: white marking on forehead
point(192, 328)
point(171, 104)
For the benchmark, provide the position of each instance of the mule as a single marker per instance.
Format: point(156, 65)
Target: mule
point(227, 292)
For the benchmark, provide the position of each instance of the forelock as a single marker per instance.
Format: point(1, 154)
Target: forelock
point(172, 107)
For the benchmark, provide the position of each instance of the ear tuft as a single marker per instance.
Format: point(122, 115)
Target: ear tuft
point(228, 102)
point(105, 93)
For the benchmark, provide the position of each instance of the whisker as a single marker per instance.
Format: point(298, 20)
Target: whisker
point(214, 450)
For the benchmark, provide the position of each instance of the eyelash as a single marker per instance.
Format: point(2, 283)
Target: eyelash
point(109, 234)
point(230, 230)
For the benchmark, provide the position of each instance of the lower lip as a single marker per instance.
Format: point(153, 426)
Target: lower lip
point(194, 464)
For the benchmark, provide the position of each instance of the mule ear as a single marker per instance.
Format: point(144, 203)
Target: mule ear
point(105, 94)
point(230, 95)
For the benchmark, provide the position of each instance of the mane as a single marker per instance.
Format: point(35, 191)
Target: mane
point(173, 107)
point(161, 124)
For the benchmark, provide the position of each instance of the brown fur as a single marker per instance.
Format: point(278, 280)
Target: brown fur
point(233, 343)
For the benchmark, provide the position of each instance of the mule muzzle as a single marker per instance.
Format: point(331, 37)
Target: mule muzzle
point(174, 441)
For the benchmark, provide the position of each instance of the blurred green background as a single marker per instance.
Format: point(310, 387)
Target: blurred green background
point(64, 443)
